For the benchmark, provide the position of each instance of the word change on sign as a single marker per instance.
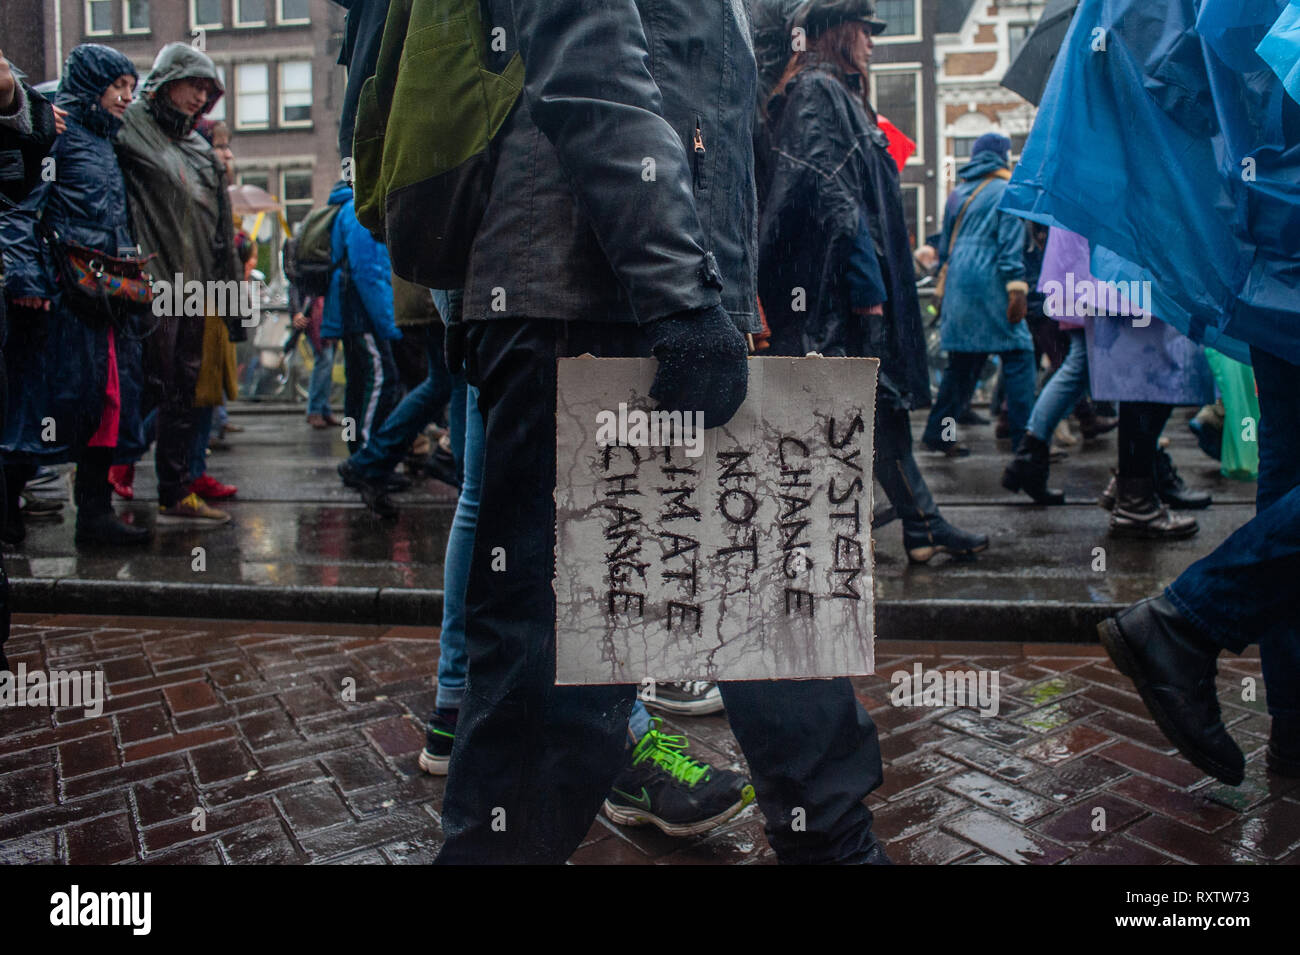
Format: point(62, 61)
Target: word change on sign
point(738, 553)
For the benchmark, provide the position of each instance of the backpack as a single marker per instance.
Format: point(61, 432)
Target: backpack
point(309, 260)
point(422, 166)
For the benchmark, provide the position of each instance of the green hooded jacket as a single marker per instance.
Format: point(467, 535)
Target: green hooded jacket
point(175, 184)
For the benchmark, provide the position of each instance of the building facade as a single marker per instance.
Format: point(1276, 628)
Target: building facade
point(277, 59)
point(903, 91)
point(974, 44)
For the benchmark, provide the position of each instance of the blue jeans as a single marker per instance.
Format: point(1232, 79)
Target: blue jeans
point(958, 385)
point(203, 418)
point(1246, 590)
point(1062, 391)
point(322, 382)
point(383, 452)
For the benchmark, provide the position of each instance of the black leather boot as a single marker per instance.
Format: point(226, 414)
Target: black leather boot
point(105, 528)
point(1173, 667)
point(1283, 755)
point(1172, 490)
point(1028, 471)
point(1139, 513)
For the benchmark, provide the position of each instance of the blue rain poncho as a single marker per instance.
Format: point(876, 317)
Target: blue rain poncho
point(1167, 140)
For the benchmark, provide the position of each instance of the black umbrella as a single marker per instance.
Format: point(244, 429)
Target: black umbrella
point(1029, 72)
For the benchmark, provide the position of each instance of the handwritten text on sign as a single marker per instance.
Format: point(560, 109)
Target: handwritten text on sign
point(738, 553)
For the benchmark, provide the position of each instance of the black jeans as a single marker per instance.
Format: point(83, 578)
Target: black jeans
point(1140, 424)
point(532, 761)
point(174, 352)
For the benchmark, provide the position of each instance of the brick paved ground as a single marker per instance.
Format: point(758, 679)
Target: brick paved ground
point(245, 721)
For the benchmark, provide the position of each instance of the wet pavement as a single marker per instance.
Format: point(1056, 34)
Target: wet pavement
point(303, 547)
point(232, 742)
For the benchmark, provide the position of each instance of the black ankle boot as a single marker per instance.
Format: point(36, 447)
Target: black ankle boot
point(1028, 471)
point(1139, 513)
point(1283, 755)
point(105, 528)
point(1172, 490)
point(1173, 667)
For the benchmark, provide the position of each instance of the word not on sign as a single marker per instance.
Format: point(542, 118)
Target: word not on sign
point(741, 554)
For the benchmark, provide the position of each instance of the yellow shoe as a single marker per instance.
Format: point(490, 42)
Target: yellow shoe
point(192, 509)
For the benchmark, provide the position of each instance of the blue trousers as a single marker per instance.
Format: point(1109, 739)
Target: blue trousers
point(963, 374)
point(1248, 590)
point(322, 381)
point(1062, 391)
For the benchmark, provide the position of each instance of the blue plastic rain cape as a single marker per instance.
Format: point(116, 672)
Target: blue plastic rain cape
point(1280, 48)
point(1167, 141)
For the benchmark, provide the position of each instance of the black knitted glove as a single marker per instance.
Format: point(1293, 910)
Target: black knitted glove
point(702, 364)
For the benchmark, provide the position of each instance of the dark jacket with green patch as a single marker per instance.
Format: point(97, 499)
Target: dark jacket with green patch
point(602, 208)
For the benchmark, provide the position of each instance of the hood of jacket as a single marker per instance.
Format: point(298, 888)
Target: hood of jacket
point(340, 194)
point(180, 61)
point(981, 164)
point(90, 69)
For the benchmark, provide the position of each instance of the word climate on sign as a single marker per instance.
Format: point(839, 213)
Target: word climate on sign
point(742, 553)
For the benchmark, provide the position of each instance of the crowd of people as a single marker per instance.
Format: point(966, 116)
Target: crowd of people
point(696, 274)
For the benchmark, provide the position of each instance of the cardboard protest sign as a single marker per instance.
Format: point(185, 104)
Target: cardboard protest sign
point(738, 553)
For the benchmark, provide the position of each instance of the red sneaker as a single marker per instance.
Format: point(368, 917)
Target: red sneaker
point(122, 477)
point(210, 489)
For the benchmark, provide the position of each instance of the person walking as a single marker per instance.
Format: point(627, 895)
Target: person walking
point(832, 226)
point(181, 214)
point(64, 388)
point(985, 298)
point(623, 271)
point(372, 470)
point(359, 312)
point(27, 132)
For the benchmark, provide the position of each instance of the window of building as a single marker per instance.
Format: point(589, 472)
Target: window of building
point(252, 96)
point(295, 93)
point(295, 195)
point(99, 17)
point(961, 147)
point(206, 14)
point(896, 94)
point(135, 16)
point(219, 111)
point(1017, 33)
point(903, 17)
point(294, 11)
point(250, 13)
point(259, 178)
point(914, 214)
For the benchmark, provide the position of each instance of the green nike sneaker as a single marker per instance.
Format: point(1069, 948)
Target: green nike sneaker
point(662, 786)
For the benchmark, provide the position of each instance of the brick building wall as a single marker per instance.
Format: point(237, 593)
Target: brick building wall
point(284, 89)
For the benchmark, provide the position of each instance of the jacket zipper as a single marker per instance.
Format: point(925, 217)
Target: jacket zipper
point(698, 158)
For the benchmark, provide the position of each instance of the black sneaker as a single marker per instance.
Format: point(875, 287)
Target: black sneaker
point(439, 734)
point(375, 496)
point(696, 698)
point(662, 786)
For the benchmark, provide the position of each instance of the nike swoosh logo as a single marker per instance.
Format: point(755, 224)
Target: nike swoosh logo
point(643, 800)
